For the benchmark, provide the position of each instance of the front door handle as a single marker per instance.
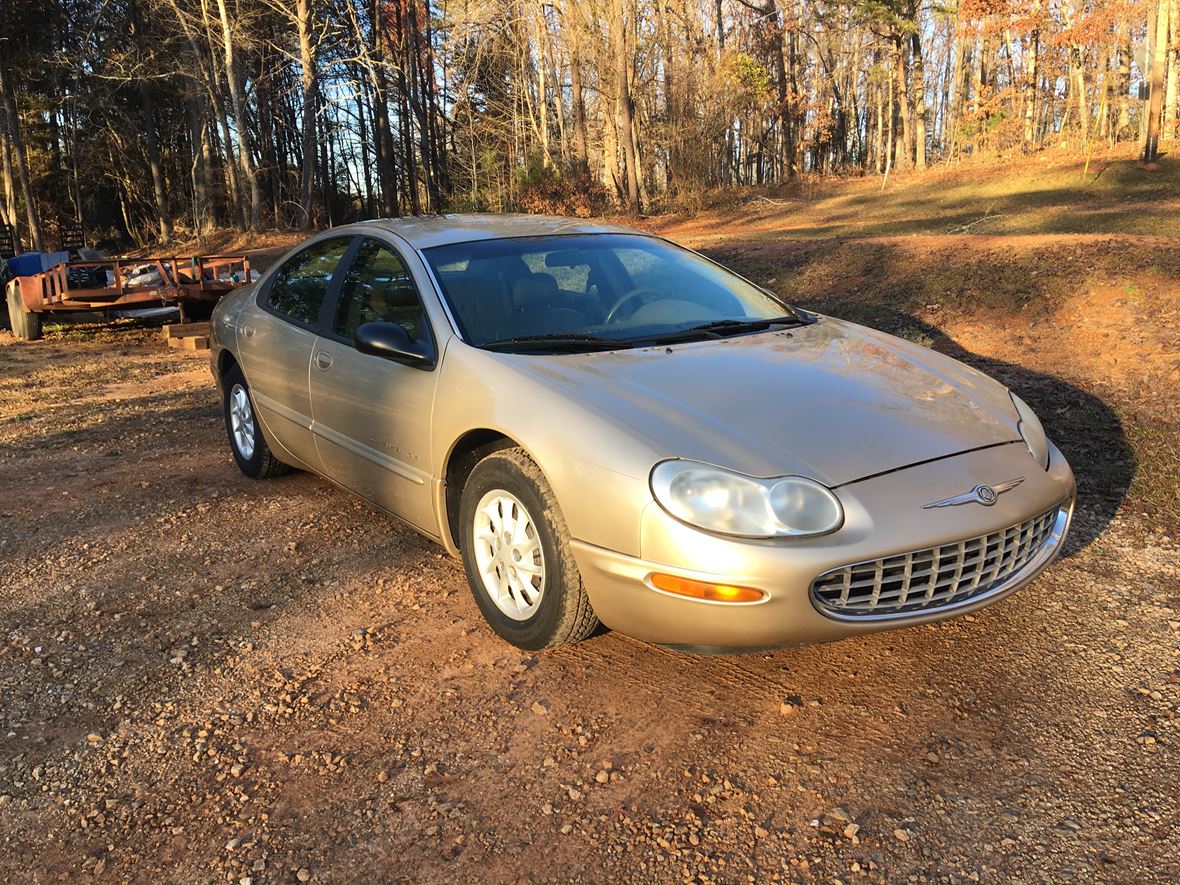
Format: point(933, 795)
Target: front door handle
point(248, 331)
point(323, 360)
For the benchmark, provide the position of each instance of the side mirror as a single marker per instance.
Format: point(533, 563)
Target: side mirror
point(392, 342)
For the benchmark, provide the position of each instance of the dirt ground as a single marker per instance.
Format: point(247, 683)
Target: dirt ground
point(209, 679)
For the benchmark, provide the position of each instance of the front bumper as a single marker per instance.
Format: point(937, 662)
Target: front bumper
point(883, 517)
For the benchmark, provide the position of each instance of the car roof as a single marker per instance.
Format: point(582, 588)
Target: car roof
point(425, 231)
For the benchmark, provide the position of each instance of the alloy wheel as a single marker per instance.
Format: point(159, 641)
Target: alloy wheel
point(241, 421)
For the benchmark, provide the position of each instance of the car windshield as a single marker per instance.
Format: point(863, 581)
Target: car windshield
point(594, 291)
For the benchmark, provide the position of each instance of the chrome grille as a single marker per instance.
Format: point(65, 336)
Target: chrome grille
point(924, 580)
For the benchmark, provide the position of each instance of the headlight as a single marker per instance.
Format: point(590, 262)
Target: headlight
point(730, 503)
point(1032, 432)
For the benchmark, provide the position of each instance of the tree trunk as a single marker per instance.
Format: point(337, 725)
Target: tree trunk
point(1153, 107)
point(208, 75)
point(1030, 80)
point(1078, 71)
point(938, 127)
point(422, 98)
point(12, 119)
point(889, 115)
point(978, 76)
point(1123, 83)
point(151, 139)
point(879, 135)
point(243, 127)
point(902, 152)
point(364, 140)
point(541, 29)
point(327, 168)
point(385, 148)
point(778, 59)
point(201, 166)
point(795, 112)
point(8, 216)
point(581, 151)
point(953, 119)
point(272, 170)
point(919, 75)
point(1171, 125)
point(611, 159)
point(405, 122)
point(307, 63)
point(152, 145)
point(624, 108)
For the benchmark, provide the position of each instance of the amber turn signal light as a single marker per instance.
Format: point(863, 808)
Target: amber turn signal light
point(705, 590)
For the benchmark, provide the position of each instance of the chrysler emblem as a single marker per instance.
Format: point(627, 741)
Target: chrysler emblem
point(985, 495)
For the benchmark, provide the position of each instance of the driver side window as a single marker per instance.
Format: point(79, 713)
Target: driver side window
point(378, 288)
point(300, 285)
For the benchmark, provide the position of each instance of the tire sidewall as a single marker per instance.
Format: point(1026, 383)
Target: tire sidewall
point(498, 473)
point(253, 465)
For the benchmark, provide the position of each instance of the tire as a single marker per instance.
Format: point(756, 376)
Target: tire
point(246, 440)
point(555, 609)
point(25, 325)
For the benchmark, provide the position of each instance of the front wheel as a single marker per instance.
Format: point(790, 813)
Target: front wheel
point(516, 555)
point(249, 447)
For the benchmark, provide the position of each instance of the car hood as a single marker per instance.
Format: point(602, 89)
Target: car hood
point(833, 401)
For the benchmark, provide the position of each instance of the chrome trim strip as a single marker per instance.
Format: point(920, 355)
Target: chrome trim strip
point(370, 454)
point(282, 411)
point(1047, 553)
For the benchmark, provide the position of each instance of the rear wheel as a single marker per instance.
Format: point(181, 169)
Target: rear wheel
point(516, 555)
point(246, 441)
point(25, 324)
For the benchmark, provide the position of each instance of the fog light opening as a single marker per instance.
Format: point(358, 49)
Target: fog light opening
point(705, 590)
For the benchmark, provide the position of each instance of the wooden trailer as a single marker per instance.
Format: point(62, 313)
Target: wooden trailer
point(194, 285)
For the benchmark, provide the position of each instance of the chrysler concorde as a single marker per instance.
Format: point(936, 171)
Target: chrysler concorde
point(607, 428)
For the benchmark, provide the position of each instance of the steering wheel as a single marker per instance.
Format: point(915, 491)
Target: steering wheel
point(641, 294)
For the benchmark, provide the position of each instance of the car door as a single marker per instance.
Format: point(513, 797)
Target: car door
point(372, 415)
point(276, 336)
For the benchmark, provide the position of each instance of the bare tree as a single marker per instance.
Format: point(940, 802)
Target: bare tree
point(12, 131)
point(242, 125)
point(1154, 104)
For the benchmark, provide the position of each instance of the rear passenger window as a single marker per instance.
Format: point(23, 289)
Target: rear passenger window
point(302, 282)
point(378, 289)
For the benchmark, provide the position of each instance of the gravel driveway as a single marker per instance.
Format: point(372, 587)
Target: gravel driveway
point(205, 678)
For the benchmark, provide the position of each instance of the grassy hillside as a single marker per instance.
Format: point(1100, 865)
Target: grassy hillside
point(1047, 193)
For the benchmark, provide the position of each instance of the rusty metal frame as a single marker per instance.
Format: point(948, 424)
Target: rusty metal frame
point(180, 280)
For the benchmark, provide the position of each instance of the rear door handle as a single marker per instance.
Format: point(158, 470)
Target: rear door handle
point(323, 360)
point(248, 331)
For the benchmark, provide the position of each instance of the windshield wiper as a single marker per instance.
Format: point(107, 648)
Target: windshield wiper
point(567, 343)
point(719, 328)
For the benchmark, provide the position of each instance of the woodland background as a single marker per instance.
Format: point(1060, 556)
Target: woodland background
point(152, 120)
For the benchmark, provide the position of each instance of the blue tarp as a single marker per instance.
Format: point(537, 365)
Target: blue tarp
point(28, 263)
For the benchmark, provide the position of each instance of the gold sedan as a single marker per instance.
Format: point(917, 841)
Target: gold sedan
point(608, 428)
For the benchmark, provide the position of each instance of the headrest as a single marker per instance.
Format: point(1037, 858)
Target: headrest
point(534, 290)
point(463, 289)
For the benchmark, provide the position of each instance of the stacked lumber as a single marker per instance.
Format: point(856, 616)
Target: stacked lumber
point(190, 336)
